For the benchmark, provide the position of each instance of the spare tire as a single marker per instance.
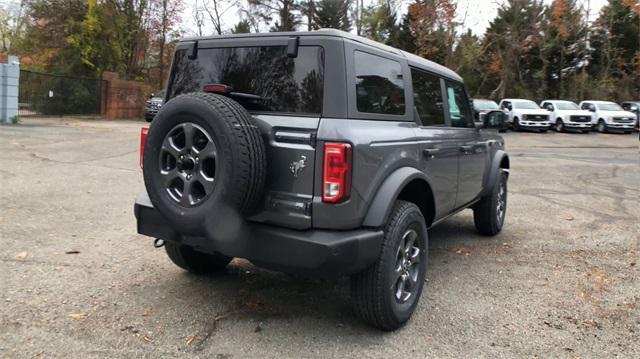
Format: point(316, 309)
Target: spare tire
point(204, 163)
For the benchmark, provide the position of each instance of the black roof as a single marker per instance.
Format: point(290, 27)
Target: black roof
point(412, 59)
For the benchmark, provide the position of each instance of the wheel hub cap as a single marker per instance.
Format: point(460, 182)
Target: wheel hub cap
point(407, 266)
point(188, 163)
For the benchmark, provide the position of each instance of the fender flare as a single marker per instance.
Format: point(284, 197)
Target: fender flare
point(385, 197)
point(492, 175)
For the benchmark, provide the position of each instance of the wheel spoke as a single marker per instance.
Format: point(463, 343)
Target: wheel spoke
point(168, 146)
point(206, 184)
point(415, 255)
point(410, 239)
point(186, 193)
point(170, 176)
point(209, 151)
point(189, 132)
point(401, 284)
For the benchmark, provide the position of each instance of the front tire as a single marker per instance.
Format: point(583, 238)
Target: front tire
point(516, 124)
point(194, 261)
point(489, 213)
point(559, 125)
point(601, 126)
point(386, 294)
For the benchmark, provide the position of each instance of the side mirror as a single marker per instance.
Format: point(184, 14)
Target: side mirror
point(495, 120)
point(152, 95)
point(633, 108)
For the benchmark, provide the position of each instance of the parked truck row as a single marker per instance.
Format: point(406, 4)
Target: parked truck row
point(562, 115)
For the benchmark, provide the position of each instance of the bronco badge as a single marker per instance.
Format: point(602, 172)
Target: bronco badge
point(296, 167)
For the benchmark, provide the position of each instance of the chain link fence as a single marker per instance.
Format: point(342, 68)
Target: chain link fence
point(43, 94)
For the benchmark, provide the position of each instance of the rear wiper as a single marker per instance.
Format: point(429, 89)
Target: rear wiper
point(228, 91)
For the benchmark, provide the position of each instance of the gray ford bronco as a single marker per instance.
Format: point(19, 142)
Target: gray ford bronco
point(318, 153)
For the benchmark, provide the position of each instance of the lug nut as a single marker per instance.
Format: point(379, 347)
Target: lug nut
point(188, 177)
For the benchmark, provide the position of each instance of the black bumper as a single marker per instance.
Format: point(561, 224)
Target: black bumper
point(316, 252)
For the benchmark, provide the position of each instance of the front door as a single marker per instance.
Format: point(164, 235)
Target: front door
point(439, 148)
point(472, 149)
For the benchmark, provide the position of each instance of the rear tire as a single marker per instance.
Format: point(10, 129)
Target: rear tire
point(489, 213)
point(386, 294)
point(194, 261)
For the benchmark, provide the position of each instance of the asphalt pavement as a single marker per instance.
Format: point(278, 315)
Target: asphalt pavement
point(561, 280)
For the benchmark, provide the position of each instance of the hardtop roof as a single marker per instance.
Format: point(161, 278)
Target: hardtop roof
point(412, 59)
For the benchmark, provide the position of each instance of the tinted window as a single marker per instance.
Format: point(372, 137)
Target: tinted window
point(427, 95)
point(263, 79)
point(458, 106)
point(379, 84)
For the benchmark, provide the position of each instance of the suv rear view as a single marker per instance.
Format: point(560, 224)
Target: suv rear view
point(319, 153)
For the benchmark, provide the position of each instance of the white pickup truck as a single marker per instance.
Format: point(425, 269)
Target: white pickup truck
point(566, 115)
point(525, 114)
point(607, 116)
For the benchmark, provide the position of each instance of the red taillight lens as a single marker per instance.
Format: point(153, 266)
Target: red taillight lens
point(336, 172)
point(217, 88)
point(143, 140)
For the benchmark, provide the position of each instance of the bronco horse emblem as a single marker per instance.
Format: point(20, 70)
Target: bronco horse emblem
point(296, 167)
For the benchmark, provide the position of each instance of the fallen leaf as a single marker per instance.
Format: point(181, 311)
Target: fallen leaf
point(22, 256)
point(258, 328)
point(632, 264)
point(77, 315)
point(569, 218)
point(147, 339)
point(72, 251)
point(190, 339)
point(145, 312)
point(218, 317)
point(461, 251)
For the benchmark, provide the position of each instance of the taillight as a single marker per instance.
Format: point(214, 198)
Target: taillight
point(143, 140)
point(336, 172)
point(216, 88)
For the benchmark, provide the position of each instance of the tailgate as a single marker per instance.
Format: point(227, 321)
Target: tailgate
point(290, 146)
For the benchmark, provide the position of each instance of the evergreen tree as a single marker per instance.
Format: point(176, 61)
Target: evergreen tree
point(333, 14)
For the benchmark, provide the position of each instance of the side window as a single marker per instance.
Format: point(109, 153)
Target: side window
point(458, 102)
point(379, 85)
point(427, 95)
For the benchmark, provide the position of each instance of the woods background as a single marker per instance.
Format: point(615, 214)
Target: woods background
point(529, 49)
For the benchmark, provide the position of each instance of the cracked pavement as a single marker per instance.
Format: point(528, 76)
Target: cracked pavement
point(561, 280)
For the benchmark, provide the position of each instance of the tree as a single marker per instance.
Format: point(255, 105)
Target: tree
point(615, 67)
point(288, 19)
point(308, 10)
point(215, 9)
point(434, 27)
point(562, 47)
point(512, 42)
point(379, 20)
point(333, 14)
point(243, 26)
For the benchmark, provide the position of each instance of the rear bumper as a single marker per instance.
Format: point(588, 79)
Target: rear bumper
point(316, 252)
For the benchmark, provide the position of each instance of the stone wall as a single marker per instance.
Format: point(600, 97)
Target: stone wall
point(9, 75)
point(122, 99)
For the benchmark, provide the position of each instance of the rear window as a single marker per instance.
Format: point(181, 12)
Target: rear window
point(263, 79)
point(379, 85)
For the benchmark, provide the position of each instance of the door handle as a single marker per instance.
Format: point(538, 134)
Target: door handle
point(466, 149)
point(430, 152)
